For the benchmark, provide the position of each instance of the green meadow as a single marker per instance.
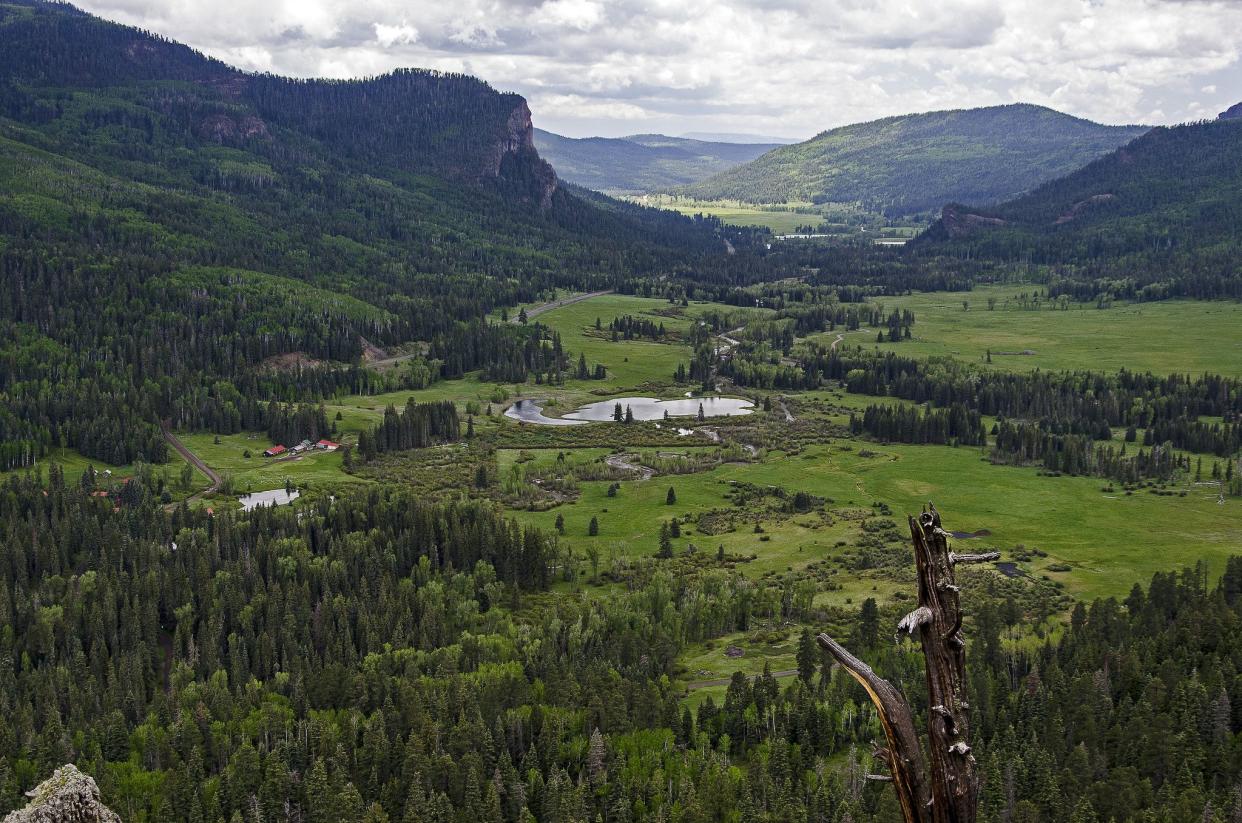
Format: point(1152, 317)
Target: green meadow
point(629, 362)
point(258, 473)
point(74, 465)
point(1169, 336)
point(783, 219)
point(1096, 543)
point(1109, 540)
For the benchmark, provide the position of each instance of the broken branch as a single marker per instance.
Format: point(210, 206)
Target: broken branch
point(986, 557)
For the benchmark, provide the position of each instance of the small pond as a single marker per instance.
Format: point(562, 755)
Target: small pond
point(528, 411)
point(649, 408)
point(643, 408)
point(274, 497)
point(1010, 569)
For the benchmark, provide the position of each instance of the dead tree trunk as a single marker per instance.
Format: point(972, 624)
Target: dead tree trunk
point(943, 787)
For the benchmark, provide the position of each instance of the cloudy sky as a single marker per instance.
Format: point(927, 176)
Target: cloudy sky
point(788, 68)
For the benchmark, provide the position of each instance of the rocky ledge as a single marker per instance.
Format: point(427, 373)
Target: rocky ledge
point(68, 796)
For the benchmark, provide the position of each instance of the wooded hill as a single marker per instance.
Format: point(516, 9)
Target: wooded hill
point(1164, 209)
point(168, 224)
point(642, 162)
point(382, 659)
point(918, 162)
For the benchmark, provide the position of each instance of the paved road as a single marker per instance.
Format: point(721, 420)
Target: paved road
point(724, 681)
point(195, 461)
point(556, 304)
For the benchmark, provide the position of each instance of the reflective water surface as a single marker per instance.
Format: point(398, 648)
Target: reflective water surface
point(643, 408)
point(274, 497)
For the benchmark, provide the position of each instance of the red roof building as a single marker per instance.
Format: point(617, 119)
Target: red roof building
point(274, 450)
point(328, 445)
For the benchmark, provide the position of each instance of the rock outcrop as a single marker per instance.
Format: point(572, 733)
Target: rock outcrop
point(958, 222)
point(515, 158)
point(1081, 206)
point(68, 796)
point(1234, 112)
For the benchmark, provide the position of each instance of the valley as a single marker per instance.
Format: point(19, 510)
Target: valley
point(372, 452)
point(1083, 529)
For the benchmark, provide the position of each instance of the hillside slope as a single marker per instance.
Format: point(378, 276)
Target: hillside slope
point(1167, 207)
point(640, 163)
point(918, 162)
point(168, 224)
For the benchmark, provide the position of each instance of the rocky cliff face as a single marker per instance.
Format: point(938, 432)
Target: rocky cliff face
point(1234, 112)
point(451, 126)
point(68, 796)
point(514, 157)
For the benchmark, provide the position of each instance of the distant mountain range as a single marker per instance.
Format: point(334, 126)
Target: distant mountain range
point(641, 163)
point(738, 137)
point(918, 162)
point(1174, 191)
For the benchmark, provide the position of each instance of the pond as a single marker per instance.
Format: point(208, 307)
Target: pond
point(274, 497)
point(528, 411)
point(643, 408)
point(649, 408)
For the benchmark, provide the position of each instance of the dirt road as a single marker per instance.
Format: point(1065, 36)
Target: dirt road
point(556, 304)
point(195, 461)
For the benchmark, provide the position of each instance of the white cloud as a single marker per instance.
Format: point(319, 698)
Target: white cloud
point(792, 67)
point(388, 36)
point(577, 14)
point(576, 107)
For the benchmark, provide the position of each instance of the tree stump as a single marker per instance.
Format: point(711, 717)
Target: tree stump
point(941, 787)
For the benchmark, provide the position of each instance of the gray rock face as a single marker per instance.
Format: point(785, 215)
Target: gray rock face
point(68, 796)
point(1234, 112)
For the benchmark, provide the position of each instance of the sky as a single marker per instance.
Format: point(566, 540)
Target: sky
point(788, 68)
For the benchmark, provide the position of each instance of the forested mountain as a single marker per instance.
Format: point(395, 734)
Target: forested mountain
point(1148, 219)
point(918, 162)
point(642, 162)
point(168, 224)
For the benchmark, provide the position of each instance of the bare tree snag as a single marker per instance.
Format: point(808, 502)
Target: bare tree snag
point(905, 760)
point(946, 790)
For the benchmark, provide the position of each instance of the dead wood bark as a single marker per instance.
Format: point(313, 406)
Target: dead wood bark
point(946, 790)
point(905, 760)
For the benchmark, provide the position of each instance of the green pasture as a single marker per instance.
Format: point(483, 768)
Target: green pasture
point(630, 363)
point(1169, 336)
point(780, 222)
point(781, 219)
point(633, 366)
point(360, 411)
point(1110, 540)
point(73, 464)
point(259, 473)
point(703, 663)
